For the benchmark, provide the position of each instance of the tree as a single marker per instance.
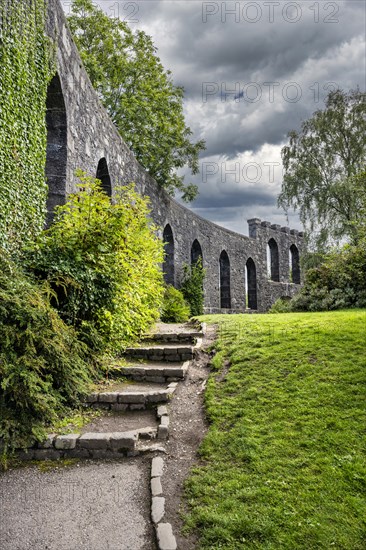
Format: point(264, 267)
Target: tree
point(320, 163)
point(138, 93)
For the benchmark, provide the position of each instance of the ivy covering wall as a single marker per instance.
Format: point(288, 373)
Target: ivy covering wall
point(26, 69)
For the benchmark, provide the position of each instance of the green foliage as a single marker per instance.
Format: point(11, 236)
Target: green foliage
point(102, 259)
point(280, 306)
point(174, 309)
point(338, 282)
point(25, 55)
point(336, 279)
point(138, 93)
point(320, 163)
point(192, 286)
point(283, 463)
point(43, 367)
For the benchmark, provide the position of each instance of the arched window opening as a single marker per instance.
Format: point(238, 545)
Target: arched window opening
point(225, 297)
point(196, 252)
point(168, 265)
point(274, 260)
point(56, 156)
point(295, 276)
point(104, 177)
point(251, 284)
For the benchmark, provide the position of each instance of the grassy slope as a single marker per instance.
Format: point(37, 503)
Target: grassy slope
point(284, 459)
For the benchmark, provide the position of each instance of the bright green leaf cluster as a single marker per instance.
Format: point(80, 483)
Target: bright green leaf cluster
point(25, 55)
point(102, 260)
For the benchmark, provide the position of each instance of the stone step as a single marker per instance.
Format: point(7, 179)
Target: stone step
point(157, 372)
point(177, 332)
point(171, 338)
point(132, 397)
point(162, 352)
point(87, 445)
point(111, 436)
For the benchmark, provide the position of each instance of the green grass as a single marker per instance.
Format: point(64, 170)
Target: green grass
point(284, 462)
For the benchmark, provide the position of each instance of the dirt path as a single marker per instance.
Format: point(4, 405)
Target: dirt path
point(188, 427)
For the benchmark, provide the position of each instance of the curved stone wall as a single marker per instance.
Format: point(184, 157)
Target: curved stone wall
point(86, 138)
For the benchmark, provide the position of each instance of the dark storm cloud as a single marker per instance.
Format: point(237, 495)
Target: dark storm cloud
point(234, 198)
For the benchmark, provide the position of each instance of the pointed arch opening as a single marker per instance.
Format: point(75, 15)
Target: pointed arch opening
point(196, 252)
point(56, 155)
point(295, 276)
point(251, 284)
point(168, 265)
point(273, 261)
point(225, 293)
point(104, 177)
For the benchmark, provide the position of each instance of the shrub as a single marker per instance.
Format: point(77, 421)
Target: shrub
point(280, 306)
point(175, 309)
point(102, 260)
point(338, 282)
point(43, 367)
point(192, 286)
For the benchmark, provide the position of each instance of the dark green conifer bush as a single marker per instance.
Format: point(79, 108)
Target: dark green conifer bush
point(192, 286)
point(43, 367)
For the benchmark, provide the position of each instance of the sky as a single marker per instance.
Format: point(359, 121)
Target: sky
point(252, 72)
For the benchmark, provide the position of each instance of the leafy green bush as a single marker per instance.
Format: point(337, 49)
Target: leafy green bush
point(102, 260)
point(280, 306)
point(175, 309)
point(337, 283)
point(192, 286)
point(43, 367)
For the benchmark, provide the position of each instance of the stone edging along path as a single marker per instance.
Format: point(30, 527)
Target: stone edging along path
point(164, 532)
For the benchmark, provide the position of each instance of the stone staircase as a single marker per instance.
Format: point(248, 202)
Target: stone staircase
point(149, 379)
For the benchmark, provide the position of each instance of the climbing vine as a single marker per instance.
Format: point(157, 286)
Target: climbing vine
point(26, 68)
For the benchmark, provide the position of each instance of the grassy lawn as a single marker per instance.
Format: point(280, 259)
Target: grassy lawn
point(284, 461)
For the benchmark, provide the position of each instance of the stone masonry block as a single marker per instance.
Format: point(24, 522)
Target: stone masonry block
point(157, 466)
point(93, 441)
point(46, 454)
point(123, 441)
point(174, 373)
point(163, 432)
point(157, 509)
point(138, 407)
point(119, 407)
point(92, 398)
point(156, 397)
point(162, 411)
point(68, 441)
point(108, 397)
point(166, 539)
point(131, 397)
point(48, 442)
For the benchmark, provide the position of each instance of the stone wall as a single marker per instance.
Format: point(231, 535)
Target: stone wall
point(81, 135)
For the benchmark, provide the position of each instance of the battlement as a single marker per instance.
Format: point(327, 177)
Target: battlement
point(257, 227)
